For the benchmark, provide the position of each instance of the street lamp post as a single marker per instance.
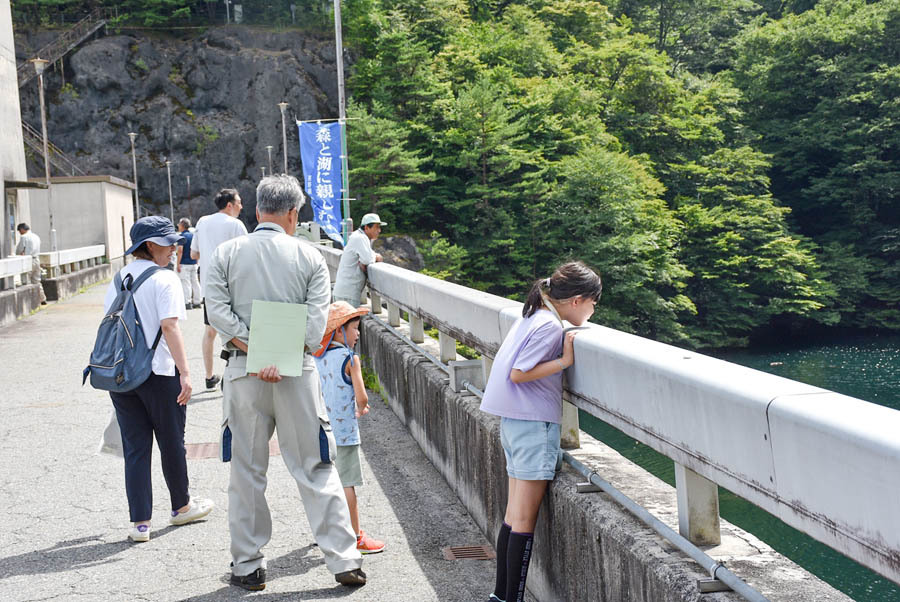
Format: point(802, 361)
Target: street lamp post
point(171, 204)
point(39, 66)
point(263, 169)
point(283, 106)
point(190, 202)
point(227, 11)
point(137, 202)
point(269, 148)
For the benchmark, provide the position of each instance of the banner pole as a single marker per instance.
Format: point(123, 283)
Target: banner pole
point(342, 115)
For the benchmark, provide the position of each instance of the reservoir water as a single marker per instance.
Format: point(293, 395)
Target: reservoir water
point(864, 367)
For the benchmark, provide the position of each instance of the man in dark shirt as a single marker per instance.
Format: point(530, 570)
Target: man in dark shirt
point(186, 266)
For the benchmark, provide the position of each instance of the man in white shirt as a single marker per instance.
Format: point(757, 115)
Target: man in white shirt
point(30, 244)
point(358, 254)
point(213, 230)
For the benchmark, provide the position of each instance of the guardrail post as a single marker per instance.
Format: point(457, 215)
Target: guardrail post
point(375, 300)
point(698, 507)
point(570, 431)
point(486, 364)
point(416, 329)
point(448, 347)
point(393, 314)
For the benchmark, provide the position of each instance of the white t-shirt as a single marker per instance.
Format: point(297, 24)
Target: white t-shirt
point(213, 230)
point(158, 298)
point(350, 279)
point(29, 244)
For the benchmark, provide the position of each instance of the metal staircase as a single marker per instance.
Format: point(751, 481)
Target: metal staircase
point(58, 159)
point(68, 40)
point(53, 52)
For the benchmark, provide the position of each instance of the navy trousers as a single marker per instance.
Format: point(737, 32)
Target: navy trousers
point(149, 409)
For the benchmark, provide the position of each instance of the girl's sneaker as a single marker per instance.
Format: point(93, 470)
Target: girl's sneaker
point(367, 545)
point(139, 533)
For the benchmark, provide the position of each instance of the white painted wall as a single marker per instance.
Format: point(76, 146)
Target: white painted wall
point(88, 210)
point(12, 151)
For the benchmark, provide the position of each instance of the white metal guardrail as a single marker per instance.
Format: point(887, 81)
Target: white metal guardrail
point(13, 267)
point(71, 260)
point(825, 463)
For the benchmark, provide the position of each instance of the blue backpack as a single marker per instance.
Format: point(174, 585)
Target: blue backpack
point(121, 360)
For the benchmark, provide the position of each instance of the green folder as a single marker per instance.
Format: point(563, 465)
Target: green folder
point(277, 337)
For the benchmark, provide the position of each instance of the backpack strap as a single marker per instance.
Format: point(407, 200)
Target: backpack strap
point(146, 274)
point(134, 287)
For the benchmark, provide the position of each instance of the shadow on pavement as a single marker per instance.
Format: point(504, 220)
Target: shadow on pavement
point(292, 564)
point(64, 556)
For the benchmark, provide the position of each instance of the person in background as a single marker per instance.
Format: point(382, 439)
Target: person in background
point(525, 390)
point(30, 244)
point(213, 230)
point(186, 266)
point(159, 405)
point(357, 256)
point(346, 400)
point(271, 265)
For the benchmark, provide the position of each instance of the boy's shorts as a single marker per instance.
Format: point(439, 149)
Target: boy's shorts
point(532, 449)
point(348, 465)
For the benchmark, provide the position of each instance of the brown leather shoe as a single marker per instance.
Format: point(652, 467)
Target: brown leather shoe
point(353, 578)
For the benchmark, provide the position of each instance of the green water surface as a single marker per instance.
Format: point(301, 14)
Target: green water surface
point(864, 367)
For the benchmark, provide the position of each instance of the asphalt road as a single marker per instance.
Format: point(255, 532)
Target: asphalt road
point(65, 516)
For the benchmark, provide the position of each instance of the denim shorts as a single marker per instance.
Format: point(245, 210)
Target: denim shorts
point(532, 449)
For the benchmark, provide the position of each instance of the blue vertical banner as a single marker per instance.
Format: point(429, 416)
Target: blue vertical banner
point(320, 151)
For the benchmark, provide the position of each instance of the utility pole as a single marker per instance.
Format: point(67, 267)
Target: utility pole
point(137, 201)
point(227, 11)
point(269, 148)
point(283, 105)
point(262, 167)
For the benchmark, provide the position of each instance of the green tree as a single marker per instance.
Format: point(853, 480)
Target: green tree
point(608, 212)
point(822, 90)
point(382, 169)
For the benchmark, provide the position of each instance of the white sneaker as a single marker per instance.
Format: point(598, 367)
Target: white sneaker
point(199, 508)
point(139, 533)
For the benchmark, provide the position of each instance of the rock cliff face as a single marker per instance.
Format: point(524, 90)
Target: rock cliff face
point(207, 103)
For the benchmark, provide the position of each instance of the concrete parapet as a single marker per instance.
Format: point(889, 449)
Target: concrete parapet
point(18, 302)
point(587, 547)
point(66, 285)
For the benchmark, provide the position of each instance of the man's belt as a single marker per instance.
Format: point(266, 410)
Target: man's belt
point(228, 354)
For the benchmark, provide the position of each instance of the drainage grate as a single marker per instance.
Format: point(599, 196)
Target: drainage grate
point(468, 552)
point(205, 451)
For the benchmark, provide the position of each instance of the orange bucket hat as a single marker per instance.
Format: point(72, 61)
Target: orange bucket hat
point(339, 313)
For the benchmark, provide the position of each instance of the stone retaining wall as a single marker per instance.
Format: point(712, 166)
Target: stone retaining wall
point(587, 547)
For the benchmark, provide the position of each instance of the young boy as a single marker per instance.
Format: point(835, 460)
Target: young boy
point(346, 400)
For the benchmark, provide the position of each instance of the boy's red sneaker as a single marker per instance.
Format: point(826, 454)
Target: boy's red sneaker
point(367, 545)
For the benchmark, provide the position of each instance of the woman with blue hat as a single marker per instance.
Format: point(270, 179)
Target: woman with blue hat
point(157, 406)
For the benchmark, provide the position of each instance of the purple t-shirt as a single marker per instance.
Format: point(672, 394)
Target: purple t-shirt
point(532, 341)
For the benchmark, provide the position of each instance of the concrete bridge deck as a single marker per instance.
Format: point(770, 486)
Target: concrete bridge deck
point(65, 515)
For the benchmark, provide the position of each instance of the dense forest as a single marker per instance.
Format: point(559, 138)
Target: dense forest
point(731, 167)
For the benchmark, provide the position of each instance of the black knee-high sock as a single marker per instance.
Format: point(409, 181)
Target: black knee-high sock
point(502, 543)
point(518, 556)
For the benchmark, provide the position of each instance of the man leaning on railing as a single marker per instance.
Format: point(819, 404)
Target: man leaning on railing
point(30, 244)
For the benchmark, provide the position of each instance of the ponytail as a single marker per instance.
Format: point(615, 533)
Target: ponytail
point(534, 301)
point(573, 279)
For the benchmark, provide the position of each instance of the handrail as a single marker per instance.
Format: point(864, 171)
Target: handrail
point(14, 266)
point(822, 462)
point(64, 42)
point(35, 140)
point(67, 261)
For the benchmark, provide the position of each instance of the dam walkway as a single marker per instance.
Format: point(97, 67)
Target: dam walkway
point(65, 520)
